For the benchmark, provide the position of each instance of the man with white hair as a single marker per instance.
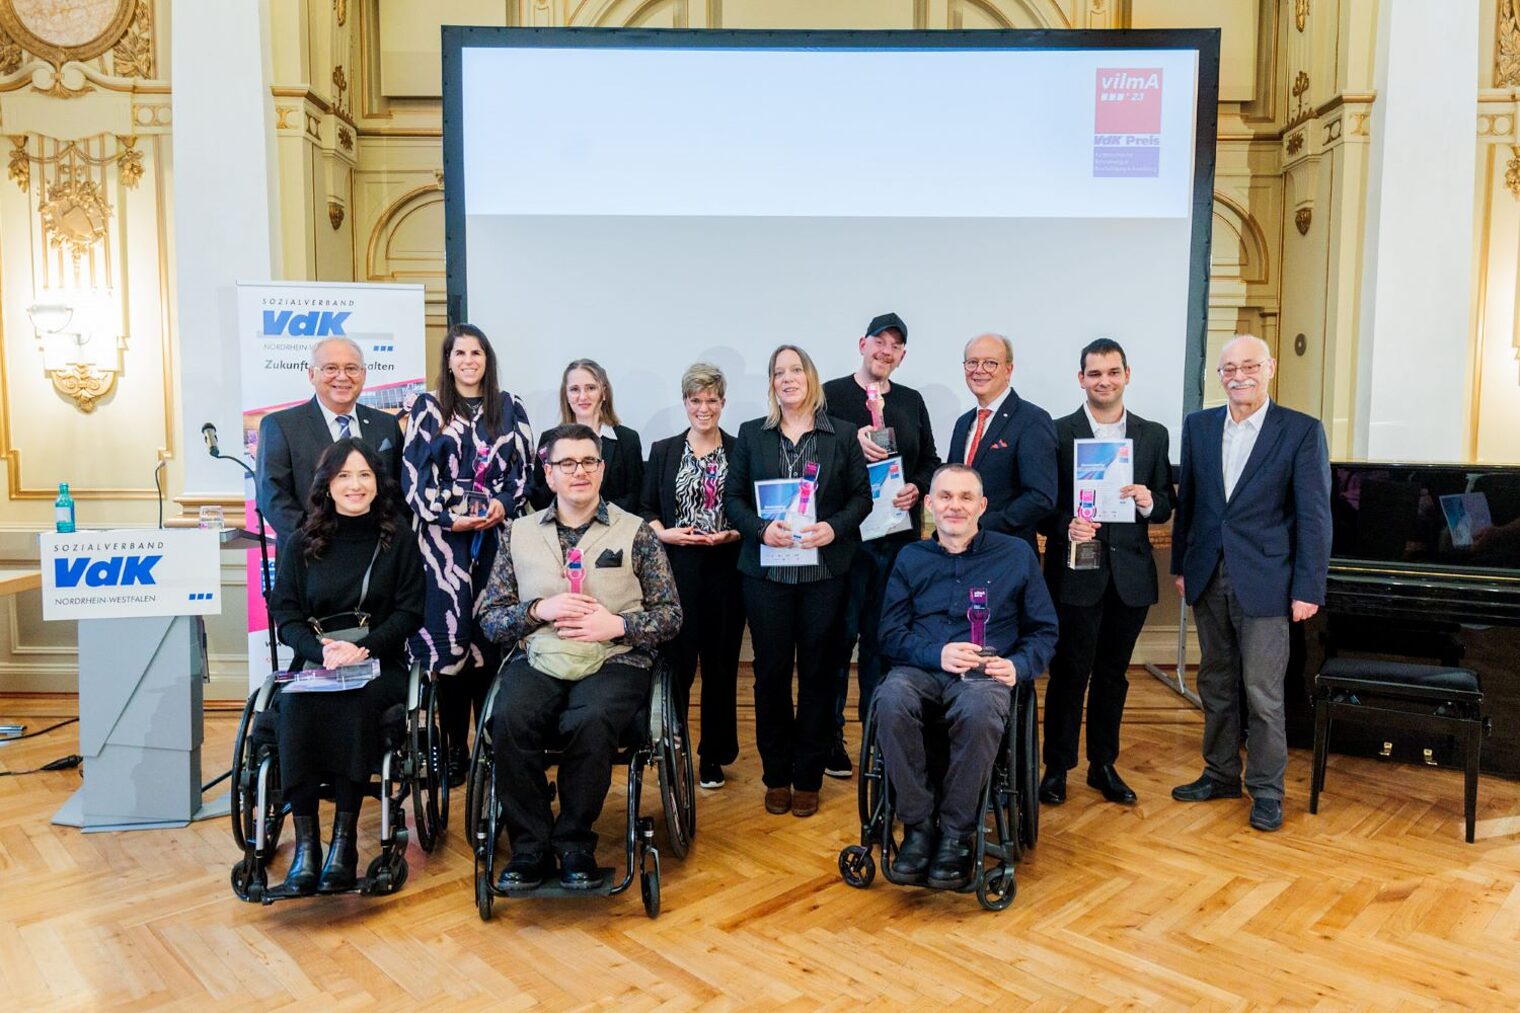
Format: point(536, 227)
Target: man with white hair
point(291, 440)
point(1250, 551)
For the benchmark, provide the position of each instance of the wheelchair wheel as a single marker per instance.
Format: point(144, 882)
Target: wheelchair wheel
point(242, 773)
point(483, 896)
point(430, 783)
point(649, 883)
point(996, 888)
point(677, 787)
point(480, 827)
point(1028, 773)
point(856, 866)
point(869, 775)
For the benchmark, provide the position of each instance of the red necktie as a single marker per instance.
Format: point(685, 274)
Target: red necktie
point(976, 437)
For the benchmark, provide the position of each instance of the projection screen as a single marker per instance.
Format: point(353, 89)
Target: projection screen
point(653, 198)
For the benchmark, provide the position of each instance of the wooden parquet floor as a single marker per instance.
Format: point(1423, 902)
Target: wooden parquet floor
point(1374, 903)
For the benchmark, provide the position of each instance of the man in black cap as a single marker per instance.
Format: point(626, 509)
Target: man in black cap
point(882, 349)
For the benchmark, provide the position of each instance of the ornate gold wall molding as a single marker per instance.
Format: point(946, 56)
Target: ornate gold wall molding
point(1507, 45)
point(66, 33)
point(1302, 219)
point(1300, 14)
point(1512, 173)
point(133, 55)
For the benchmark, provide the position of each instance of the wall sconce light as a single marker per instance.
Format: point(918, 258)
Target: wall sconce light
point(76, 332)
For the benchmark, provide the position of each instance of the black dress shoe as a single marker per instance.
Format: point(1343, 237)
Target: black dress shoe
point(1205, 789)
point(458, 766)
point(341, 872)
point(951, 867)
point(526, 871)
point(578, 871)
point(1053, 787)
point(1266, 814)
point(306, 863)
point(912, 861)
point(1107, 780)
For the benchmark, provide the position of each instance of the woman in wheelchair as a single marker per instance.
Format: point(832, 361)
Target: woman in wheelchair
point(586, 589)
point(349, 589)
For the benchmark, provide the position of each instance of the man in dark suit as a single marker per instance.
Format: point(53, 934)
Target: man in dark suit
point(291, 441)
point(1250, 549)
point(1010, 442)
point(1101, 610)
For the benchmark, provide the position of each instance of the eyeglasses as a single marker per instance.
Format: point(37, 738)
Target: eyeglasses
point(982, 365)
point(1244, 369)
point(331, 370)
point(567, 465)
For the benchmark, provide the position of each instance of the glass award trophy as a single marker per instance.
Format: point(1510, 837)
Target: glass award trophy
point(977, 614)
point(1086, 555)
point(883, 435)
point(476, 502)
point(805, 508)
point(709, 499)
point(575, 570)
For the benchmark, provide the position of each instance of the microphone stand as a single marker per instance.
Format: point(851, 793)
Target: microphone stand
point(274, 644)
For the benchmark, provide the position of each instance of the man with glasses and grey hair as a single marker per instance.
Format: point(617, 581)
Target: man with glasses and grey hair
point(291, 440)
point(1009, 441)
point(1250, 551)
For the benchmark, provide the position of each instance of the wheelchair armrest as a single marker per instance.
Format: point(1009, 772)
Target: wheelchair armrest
point(265, 693)
point(660, 700)
point(414, 687)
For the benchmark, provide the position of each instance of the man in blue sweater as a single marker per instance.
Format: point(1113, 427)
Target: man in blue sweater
point(942, 593)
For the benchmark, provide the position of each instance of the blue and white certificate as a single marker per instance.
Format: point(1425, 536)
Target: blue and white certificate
point(886, 483)
point(1100, 468)
point(780, 499)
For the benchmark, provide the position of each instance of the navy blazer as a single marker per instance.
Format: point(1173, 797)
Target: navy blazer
point(292, 440)
point(1127, 553)
point(1017, 462)
point(844, 490)
point(1274, 533)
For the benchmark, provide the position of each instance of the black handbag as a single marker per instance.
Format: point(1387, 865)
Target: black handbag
point(352, 626)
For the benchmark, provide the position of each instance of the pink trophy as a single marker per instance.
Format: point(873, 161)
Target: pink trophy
point(881, 434)
point(805, 499)
point(575, 570)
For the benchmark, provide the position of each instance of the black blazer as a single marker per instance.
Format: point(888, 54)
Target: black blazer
point(622, 473)
point(1017, 462)
point(844, 490)
point(1127, 551)
point(290, 443)
point(658, 501)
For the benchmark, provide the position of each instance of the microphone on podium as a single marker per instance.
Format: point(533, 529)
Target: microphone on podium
point(208, 433)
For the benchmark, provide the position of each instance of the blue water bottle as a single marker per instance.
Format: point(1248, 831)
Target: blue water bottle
point(63, 510)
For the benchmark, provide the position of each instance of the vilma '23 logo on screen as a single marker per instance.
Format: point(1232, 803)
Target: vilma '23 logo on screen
point(113, 571)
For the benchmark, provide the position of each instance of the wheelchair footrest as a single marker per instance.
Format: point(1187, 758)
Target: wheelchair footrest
point(552, 888)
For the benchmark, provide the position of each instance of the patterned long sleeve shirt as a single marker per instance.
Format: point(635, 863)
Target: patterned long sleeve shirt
point(504, 616)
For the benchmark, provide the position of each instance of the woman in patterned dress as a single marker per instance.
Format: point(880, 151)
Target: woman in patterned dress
point(465, 471)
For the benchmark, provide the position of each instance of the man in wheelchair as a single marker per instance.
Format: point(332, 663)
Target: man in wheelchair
point(965, 617)
point(585, 590)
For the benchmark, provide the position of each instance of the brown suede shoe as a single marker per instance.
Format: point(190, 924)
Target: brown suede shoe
point(804, 803)
point(778, 800)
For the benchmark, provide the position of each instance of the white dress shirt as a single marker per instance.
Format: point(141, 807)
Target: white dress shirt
point(992, 409)
point(1113, 431)
point(332, 421)
point(1239, 438)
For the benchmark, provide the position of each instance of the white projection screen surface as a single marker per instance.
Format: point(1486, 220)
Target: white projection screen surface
point(651, 199)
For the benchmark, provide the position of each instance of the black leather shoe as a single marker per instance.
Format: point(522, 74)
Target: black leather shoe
point(459, 766)
point(951, 867)
point(1107, 780)
point(306, 863)
point(1205, 789)
point(526, 871)
point(912, 861)
point(578, 871)
point(1053, 787)
point(342, 869)
point(1266, 814)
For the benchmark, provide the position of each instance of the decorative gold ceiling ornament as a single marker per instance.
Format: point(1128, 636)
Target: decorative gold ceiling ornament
point(84, 384)
point(1507, 59)
point(340, 8)
point(20, 165)
point(1300, 13)
point(335, 214)
point(133, 55)
point(129, 163)
point(10, 55)
point(75, 216)
point(60, 33)
point(1512, 173)
point(1302, 218)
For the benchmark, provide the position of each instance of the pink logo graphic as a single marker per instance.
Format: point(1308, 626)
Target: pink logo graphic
point(1127, 122)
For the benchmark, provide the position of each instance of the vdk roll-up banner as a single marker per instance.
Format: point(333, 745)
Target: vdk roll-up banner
point(279, 322)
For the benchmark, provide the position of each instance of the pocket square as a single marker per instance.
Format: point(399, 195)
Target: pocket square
point(385, 445)
point(609, 558)
point(1000, 445)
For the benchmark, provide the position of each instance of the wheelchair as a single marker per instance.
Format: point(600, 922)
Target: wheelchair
point(413, 766)
point(656, 738)
point(1010, 822)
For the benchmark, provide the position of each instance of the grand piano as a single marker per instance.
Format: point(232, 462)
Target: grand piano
point(1425, 566)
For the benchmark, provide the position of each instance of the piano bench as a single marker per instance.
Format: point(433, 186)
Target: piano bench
point(1430, 699)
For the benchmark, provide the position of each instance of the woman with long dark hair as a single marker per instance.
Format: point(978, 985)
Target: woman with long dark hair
point(351, 557)
point(465, 471)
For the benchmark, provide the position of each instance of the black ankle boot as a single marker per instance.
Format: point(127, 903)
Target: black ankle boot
point(306, 863)
point(342, 869)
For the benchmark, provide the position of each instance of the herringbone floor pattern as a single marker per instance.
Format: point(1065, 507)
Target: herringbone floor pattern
point(1375, 903)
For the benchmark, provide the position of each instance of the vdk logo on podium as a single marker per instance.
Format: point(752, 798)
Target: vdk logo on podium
point(116, 574)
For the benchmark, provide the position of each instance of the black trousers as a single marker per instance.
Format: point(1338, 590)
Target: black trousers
point(862, 619)
point(712, 629)
point(1096, 644)
point(534, 711)
point(794, 627)
point(463, 692)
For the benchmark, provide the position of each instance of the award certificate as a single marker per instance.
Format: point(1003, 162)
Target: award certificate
point(1100, 468)
point(886, 483)
point(780, 499)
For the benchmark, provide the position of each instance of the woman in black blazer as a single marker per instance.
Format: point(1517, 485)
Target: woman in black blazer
point(683, 503)
point(795, 612)
point(585, 396)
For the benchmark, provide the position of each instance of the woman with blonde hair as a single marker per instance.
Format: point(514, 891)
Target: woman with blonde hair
point(795, 611)
point(585, 397)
